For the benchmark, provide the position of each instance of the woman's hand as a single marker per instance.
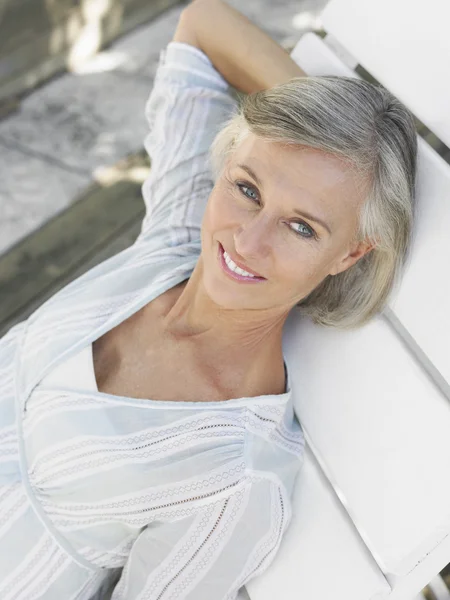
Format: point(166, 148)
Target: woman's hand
point(245, 55)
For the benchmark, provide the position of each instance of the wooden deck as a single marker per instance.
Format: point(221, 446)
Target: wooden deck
point(41, 38)
point(101, 223)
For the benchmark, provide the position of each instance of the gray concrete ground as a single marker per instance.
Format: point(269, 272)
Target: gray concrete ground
point(70, 129)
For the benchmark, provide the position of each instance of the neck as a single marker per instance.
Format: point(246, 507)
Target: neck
point(248, 338)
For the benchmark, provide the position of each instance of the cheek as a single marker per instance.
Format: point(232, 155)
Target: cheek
point(220, 211)
point(305, 267)
point(299, 266)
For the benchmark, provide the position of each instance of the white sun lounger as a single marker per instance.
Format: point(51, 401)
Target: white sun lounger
point(372, 502)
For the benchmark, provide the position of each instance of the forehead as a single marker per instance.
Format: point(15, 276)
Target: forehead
point(315, 176)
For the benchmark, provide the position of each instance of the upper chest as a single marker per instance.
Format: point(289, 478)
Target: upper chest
point(137, 359)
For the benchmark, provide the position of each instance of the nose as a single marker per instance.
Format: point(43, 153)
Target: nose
point(253, 238)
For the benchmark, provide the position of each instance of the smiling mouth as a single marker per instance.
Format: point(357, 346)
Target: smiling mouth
point(233, 274)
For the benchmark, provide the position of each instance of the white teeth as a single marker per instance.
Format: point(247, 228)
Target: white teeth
point(233, 266)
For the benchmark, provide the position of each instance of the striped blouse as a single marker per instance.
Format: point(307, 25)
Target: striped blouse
point(105, 496)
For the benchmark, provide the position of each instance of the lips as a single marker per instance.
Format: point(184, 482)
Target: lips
point(241, 265)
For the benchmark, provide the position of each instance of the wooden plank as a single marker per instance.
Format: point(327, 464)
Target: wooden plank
point(125, 238)
point(37, 36)
point(104, 221)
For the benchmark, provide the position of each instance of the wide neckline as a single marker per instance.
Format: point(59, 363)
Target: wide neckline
point(132, 308)
point(277, 398)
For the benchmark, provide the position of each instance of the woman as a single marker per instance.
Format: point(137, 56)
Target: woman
point(148, 440)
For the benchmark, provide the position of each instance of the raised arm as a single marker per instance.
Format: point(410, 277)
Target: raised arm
point(245, 55)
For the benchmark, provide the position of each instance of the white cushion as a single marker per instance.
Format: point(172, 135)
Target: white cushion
point(322, 556)
point(405, 46)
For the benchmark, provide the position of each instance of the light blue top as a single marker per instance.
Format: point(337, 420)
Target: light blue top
point(105, 496)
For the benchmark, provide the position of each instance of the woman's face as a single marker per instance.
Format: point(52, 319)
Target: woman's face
point(292, 221)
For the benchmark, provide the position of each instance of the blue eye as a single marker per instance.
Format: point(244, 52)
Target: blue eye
point(309, 231)
point(244, 187)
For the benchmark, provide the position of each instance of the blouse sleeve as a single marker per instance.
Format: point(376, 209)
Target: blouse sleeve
point(189, 103)
point(212, 553)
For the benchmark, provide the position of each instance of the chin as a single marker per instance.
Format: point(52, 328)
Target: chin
point(231, 296)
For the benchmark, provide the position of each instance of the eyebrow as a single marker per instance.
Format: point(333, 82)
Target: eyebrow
point(304, 214)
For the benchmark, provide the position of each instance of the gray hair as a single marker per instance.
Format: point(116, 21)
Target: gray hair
point(366, 125)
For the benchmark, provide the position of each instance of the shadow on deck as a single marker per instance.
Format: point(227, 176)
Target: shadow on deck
point(103, 221)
